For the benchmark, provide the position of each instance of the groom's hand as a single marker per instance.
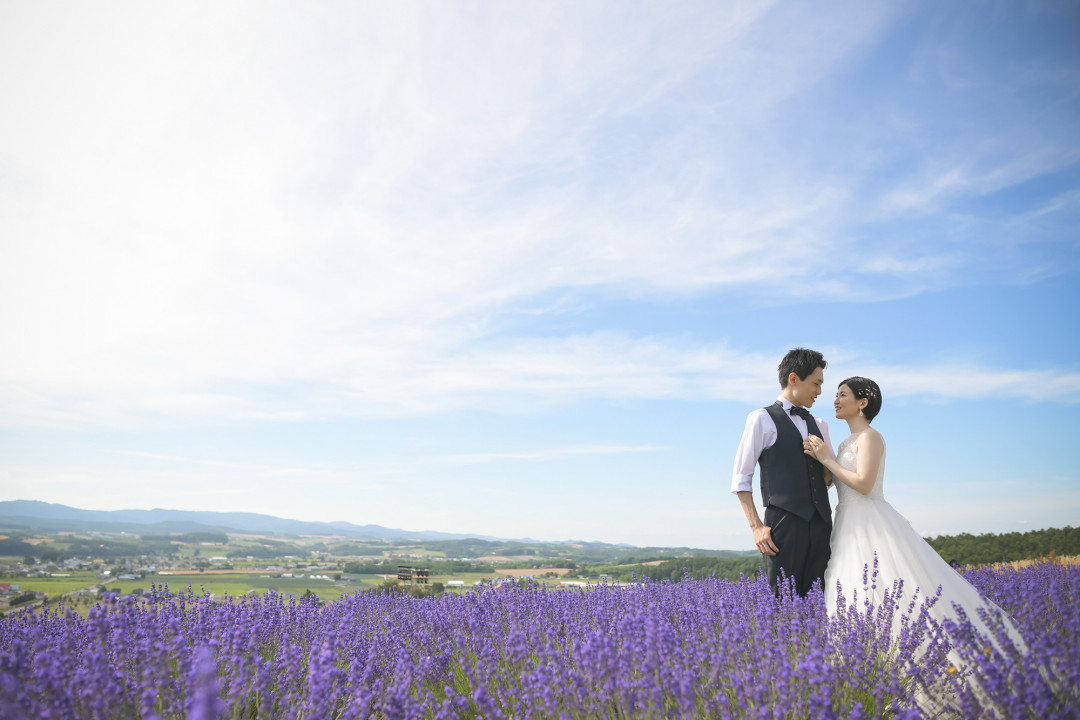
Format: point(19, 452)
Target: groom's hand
point(763, 540)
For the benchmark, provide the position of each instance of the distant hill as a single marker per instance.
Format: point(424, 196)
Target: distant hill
point(42, 517)
point(52, 517)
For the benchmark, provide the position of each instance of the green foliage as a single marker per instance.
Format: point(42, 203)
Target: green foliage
point(359, 568)
point(453, 567)
point(357, 547)
point(22, 599)
point(11, 546)
point(51, 553)
point(192, 537)
point(963, 549)
point(568, 554)
point(278, 549)
point(437, 567)
point(967, 549)
point(113, 547)
point(695, 567)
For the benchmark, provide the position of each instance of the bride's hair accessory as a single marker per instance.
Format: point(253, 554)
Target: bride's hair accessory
point(865, 389)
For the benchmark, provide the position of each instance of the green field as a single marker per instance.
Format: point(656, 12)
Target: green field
point(56, 586)
point(215, 584)
point(234, 584)
point(241, 583)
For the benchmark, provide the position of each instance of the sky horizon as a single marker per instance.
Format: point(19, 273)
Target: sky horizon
point(522, 271)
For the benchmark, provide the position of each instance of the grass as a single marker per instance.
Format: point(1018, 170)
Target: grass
point(55, 586)
point(221, 583)
point(240, 583)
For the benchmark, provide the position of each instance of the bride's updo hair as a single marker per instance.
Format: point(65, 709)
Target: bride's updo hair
point(865, 388)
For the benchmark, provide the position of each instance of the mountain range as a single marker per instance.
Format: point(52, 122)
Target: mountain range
point(37, 515)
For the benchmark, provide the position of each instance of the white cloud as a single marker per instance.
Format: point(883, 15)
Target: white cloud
point(968, 381)
point(237, 211)
point(517, 376)
point(550, 453)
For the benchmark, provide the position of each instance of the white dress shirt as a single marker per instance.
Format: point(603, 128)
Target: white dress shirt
point(760, 434)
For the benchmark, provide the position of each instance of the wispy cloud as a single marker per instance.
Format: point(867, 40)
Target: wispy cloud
point(555, 453)
point(966, 381)
point(336, 212)
point(356, 476)
point(196, 461)
point(526, 376)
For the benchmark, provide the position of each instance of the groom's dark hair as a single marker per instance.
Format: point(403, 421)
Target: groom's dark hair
point(802, 362)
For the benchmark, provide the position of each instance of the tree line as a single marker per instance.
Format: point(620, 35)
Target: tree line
point(967, 549)
point(437, 567)
point(962, 549)
point(698, 566)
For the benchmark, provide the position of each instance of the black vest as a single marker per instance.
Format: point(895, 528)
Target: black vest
point(790, 479)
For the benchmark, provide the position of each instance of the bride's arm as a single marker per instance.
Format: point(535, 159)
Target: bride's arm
point(869, 449)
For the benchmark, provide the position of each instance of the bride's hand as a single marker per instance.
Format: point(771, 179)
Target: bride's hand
point(816, 448)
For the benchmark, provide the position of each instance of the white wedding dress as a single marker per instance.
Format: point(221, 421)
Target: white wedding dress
point(866, 524)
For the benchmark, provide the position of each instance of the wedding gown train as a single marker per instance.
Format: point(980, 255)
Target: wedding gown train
point(866, 524)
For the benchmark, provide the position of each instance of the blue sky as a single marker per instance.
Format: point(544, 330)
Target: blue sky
point(522, 270)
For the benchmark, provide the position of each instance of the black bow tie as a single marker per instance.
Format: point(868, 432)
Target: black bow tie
point(800, 411)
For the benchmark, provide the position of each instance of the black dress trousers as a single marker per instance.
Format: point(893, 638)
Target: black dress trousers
point(803, 549)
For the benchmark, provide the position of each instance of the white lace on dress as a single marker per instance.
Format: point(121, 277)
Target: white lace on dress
point(845, 456)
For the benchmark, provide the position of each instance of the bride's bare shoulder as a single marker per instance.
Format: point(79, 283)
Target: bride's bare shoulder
point(871, 438)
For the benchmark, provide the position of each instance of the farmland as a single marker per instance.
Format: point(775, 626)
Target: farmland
point(79, 566)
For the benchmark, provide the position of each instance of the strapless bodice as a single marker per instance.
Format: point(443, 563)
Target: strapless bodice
point(845, 457)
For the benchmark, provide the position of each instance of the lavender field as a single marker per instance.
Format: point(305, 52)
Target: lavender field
point(695, 649)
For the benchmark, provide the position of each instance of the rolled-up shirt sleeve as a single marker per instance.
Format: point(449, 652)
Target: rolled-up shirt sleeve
point(754, 440)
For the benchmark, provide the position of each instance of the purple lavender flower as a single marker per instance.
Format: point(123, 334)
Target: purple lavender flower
point(205, 703)
point(691, 649)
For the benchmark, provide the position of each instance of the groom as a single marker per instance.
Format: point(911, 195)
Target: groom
point(794, 538)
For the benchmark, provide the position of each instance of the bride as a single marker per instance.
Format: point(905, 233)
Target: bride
point(869, 533)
